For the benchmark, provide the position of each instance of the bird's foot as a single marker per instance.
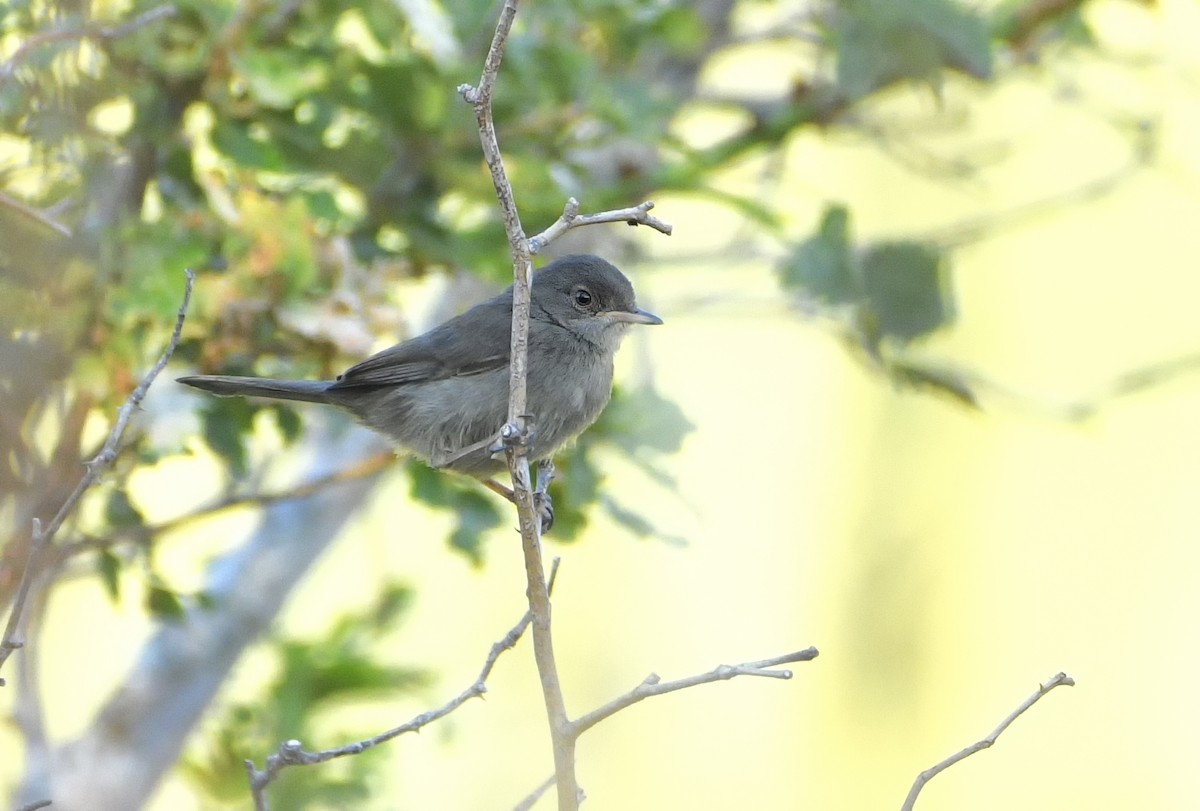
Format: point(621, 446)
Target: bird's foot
point(544, 506)
point(541, 494)
point(512, 435)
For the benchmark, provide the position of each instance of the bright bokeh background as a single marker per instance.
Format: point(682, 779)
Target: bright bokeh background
point(943, 561)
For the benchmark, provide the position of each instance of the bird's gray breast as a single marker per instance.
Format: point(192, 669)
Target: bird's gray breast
point(569, 383)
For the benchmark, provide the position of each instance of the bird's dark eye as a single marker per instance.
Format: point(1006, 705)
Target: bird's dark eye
point(582, 297)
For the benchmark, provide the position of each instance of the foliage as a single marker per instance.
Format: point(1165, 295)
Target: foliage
point(314, 678)
point(307, 157)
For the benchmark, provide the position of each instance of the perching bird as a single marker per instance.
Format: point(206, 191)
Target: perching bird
point(444, 395)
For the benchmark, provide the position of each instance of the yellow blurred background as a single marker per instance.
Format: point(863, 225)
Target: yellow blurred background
point(943, 561)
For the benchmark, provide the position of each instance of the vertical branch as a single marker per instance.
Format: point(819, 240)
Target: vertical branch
point(515, 432)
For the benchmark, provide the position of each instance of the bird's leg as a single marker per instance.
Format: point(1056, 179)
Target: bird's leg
point(521, 434)
point(541, 495)
point(448, 459)
point(497, 487)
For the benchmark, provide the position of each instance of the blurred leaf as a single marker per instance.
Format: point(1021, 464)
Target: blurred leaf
point(109, 567)
point(476, 513)
point(638, 524)
point(234, 139)
point(882, 41)
point(279, 77)
point(289, 422)
point(640, 420)
point(391, 605)
point(226, 421)
point(939, 381)
point(821, 265)
point(575, 487)
point(165, 604)
point(120, 512)
point(907, 289)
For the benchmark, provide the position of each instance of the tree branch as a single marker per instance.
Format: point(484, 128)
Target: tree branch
point(37, 215)
point(42, 536)
point(291, 753)
point(652, 686)
point(364, 468)
point(571, 218)
point(532, 797)
point(99, 33)
point(515, 431)
point(927, 775)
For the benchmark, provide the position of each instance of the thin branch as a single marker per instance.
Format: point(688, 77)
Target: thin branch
point(515, 431)
point(291, 753)
point(35, 806)
point(571, 218)
point(363, 468)
point(98, 33)
point(653, 686)
point(532, 797)
point(95, 468)
point(927, 775)
point(37, 215)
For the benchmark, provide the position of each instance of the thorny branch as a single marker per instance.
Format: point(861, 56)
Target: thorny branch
point(42, 535)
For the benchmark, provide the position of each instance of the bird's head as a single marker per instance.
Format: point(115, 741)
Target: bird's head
point(589, 297)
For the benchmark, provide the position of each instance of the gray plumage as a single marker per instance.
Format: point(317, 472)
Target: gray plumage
point(444, 395)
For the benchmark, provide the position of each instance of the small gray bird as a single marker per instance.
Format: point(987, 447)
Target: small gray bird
point(444, 395)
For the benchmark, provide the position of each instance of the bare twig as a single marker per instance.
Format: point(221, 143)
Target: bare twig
point(291, 753)
point(95, 468)
point(37, 215)
point(927, 775)
point(653, 686)
point(571, 218)
point(97, 33)
point(532, 797)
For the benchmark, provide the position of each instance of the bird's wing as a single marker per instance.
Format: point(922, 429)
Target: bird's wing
point(476, 341)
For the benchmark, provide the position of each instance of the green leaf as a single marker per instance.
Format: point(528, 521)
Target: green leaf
point(476, 515)
point(279, 78)
point(108, 566)
point(821, 265)
point(289, 422)
point(164, 603)
point(226, 422)
point(233, 139)
point(636, 523)
point(880, 42)
point(641, 420)
point(576, 486)
point(907, 289)
point(475, 511)
point(120, 512)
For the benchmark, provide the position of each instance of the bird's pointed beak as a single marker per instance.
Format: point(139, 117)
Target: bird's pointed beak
point(634, 316)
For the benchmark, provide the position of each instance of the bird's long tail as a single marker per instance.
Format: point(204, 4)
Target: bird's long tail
point(308, 391)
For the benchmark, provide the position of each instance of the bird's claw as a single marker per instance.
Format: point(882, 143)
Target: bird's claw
point(544, 506)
